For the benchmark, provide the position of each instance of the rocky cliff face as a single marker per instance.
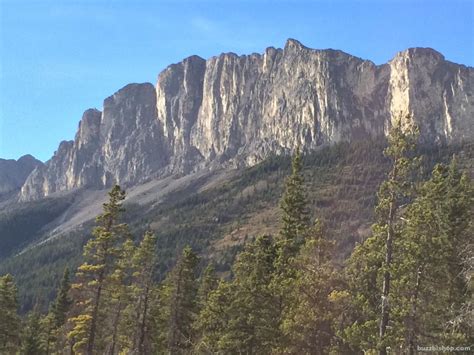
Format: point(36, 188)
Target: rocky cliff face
point(236, 110)
point(13, 173)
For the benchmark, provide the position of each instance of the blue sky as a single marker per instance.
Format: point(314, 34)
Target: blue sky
point(58, 58)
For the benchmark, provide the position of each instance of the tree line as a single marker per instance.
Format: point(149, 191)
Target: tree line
point(407, 285)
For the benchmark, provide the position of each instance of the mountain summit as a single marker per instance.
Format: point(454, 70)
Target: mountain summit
point(235, 110)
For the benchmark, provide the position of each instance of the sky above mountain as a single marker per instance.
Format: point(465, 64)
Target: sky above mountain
point(58, 58)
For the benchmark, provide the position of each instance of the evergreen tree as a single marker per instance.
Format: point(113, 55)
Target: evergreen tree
point(100, 254)
point(364, 278)
point(295, 214)
point(392, 193)
point(32, 335)
point(119, 296)
point(9, 319)
point(213, 320)
point(62, 302)
point(50, 334)
point(208, 283)
point(144, 262)
point(372, 264)
point(312, 323)
point(428, 296)
point(178, 305)
point(253, 319)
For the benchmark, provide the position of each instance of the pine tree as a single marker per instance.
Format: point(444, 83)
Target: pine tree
point(100, 254)
point(9, 319)
point(144, 263)
point(392, 193)
point(372, 264)
point(208, 283)
point(119, 295)
point(213, 320)
point(178, 305)
point(294, 226)
point(428, 296)
point(253, 319)
point(295, 215)
point(32, 335)
point(364, 278)
point(62, 302)
point(50, 334)
point(312, 323)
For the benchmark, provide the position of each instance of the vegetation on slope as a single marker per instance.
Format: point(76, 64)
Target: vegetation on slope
point(407, 285)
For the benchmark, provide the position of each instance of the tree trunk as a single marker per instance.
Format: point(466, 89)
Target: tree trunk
point(115, 328)
point(174, 321)
point(386, 277)
point(412, 321)
point(95, 312)
point(141, 342)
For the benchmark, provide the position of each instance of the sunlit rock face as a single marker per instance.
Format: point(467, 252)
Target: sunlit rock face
point(123, 144)
point(438, 93)
point(235, 110)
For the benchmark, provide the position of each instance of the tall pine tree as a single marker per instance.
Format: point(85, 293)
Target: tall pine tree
point(430, 290)
point(372, 264)
point(9, 319)
point(179, 305)
point(32, 335)
point(100, 254)
point(392, 193)
point(294, 212)
point(63, 301)
point(312, 323)
point(253, 319)
point(143, 295)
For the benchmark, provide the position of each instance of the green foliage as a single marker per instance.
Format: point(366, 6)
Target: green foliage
point(94, 276)
point(314, 316)
point(9, 320)
point(340, 183)
point(62, 302)
point(241, 316)
point(294, 209)
point(32, 344)
point(392, 193)
point(143, 296)
point(178, 305)
point(416, 258)
point(431, 288)
point(290, 294)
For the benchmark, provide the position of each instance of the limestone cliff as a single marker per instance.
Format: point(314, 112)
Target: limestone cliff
point(236, 110)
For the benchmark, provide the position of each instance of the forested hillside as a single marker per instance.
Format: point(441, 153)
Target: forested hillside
point(363, 247)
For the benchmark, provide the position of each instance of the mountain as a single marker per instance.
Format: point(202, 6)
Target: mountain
point(203, 155)
point(13, 173)
point(234, 111)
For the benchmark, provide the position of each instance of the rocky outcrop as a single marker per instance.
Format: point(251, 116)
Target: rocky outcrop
point(438, 93)
point(236, 110)
point(13, 173)
point(123, 144)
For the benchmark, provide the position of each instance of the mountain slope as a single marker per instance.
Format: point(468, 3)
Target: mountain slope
point(203, 155)
point(216, 212)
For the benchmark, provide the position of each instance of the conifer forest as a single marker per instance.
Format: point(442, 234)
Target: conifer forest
point(407, 285)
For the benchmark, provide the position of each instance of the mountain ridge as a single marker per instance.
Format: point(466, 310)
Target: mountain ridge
point(13, 173)
point(232, 110)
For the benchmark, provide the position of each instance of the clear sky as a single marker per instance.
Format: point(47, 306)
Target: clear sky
point(58, 58)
